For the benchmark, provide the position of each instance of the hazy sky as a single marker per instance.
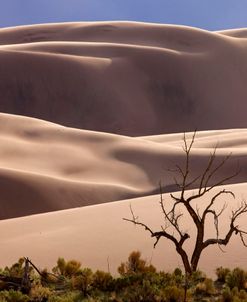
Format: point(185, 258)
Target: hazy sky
point(207, 14)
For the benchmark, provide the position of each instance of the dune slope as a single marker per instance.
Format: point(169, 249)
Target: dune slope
point(113, 76)
point(81, 233)
point(88, 116)
point(47, 167)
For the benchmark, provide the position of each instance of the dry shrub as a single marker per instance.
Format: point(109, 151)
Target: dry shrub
point(135, 265)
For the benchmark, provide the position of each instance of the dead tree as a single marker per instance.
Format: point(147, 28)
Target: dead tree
point(26, 282)
point(172, 215)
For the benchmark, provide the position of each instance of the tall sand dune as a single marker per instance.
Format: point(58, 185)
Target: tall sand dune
point(47, 167)
point(98, 236)
point(125, 77)
point(95, 112)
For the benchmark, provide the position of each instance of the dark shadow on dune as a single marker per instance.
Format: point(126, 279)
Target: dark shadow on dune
point(173, 97)
point(14, 201)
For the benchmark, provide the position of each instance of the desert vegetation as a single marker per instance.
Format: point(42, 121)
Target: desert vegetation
point(137, 281)
point(120, 118)
point(189, 203)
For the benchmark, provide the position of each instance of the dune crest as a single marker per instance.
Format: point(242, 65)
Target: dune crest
point(112, 76)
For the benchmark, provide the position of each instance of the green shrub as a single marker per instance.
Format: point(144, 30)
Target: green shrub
point(102, 281)
point(48, 278)
point(205, 288)
point(67, 269)
point(141, 292)
point(221, 274)
point(17, 269)
point(138, 281)
point(174, 294)
point(39, 293)
point(227, 295)
point(233, 295)
point(73, 296)
point(197, 277)
point(177, 276)
point(83, 281)
point(135, 265)
point(178, 272)
point(242, 295)
point(13, 296)
point(236, 278)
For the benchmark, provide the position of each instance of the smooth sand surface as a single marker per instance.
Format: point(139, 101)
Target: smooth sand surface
point(125, 77)
point(114, 93)
point(46, 167)
point(96, 235)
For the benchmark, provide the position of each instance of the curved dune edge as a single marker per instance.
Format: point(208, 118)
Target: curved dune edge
point(47, 167)
point(139, 81)
point(82, 233)
point(112, 76)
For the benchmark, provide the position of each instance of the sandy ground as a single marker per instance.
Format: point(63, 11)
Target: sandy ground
point(97, 235)
point(89, 112)
point(125, 77)
point(47, 167)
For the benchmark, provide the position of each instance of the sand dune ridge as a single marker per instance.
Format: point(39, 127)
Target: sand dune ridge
point(112, 76)
point(54, 167)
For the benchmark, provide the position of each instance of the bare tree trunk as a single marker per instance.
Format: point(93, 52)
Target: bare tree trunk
point(198, 247)
point(26, 284)
point(185, 260)
point(185, 287)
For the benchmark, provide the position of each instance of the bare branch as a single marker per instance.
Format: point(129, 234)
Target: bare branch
point(242, 237)
point(206, 190)
point(172, 217)
point(187, 149)
point(221, 182)
point(139, 223)
point(209, 165)
point(217, 168)
point(242, 209)
point(219, 241)
point(177, 183)
point(177, 169)
point(198, 212)
point(207, 210)
point(157, 235)
point(177, 199)
point(192, 182)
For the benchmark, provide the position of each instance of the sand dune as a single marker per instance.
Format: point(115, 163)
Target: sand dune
point(125, 77)
point(108, 97)
point(135, 33)
point(46, 167)
point(82, 233)
point(235, 33)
